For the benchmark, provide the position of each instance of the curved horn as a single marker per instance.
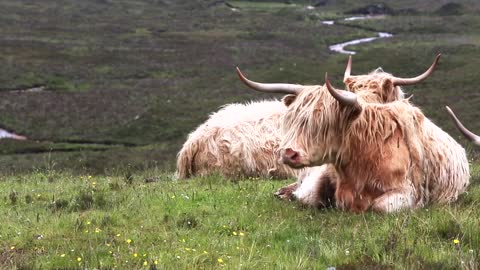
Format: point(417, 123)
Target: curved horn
point(348, 69)
point(282, 88)
point(467, 133)
point(343, 97)
point(410, 81)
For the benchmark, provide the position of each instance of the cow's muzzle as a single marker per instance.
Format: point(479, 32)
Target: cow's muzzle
point(292, 158)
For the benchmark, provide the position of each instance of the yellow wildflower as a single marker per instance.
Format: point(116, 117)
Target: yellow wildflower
point(88, 222)
point(107, 244)
point(97, 230)
point(155, 262)
point(219, 260)
point(456, 241)
point(145, 263)
point(135, 255)
point(89, 177)
point(12, 247)
point(129, 241)
point(79, 259)
point(63, 255)
point(144, 254)
point(234, 233)
point(242, 234)
point(94, 183)
point(118, 235)
point(205, 252)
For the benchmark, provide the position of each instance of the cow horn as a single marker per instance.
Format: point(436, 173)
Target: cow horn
point(282, 88)
point(467, 133)
point(348, 69)
point(343, 97)
point(410, 81)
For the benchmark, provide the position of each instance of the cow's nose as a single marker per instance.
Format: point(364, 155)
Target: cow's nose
point(290, 157)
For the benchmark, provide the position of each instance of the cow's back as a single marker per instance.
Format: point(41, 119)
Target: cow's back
point(445, 164)
point(238, 140)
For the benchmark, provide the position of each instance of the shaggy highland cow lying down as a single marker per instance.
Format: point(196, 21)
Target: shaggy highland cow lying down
point(240, 140)
point(387, 157)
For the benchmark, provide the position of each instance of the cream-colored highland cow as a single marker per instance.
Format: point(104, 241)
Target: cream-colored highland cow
point(315, 186)
point(387, 157)
point(240, 140)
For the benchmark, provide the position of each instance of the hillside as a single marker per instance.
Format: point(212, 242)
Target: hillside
point(125, 81)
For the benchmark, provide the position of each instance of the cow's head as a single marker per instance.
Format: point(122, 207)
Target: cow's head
point(381, 86)
point(317, 115)
point(314, 123)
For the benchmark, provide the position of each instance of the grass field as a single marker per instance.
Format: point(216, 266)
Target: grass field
point(53, 220)
point(125, 82)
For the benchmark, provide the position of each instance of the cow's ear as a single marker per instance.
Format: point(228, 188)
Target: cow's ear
point(388, 89)
point(288, 99)
point(348, 83)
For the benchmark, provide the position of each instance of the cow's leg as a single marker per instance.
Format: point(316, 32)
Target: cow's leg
point(317, 190)
point(286, 193)
point(394, 200)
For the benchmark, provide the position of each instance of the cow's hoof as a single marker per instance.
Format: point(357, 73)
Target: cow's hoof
point(284, 193)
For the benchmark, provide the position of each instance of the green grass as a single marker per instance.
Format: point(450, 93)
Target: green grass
point(51, 219)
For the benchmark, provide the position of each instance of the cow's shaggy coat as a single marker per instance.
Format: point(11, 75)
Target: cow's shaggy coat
point(240, 140)
point(388, 156)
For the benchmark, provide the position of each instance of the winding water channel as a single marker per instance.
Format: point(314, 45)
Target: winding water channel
point(9, 135)
point(340, 47)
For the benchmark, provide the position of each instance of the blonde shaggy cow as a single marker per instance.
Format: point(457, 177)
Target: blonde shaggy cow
point(387, 157)
point(314, 187)
point(240, 140)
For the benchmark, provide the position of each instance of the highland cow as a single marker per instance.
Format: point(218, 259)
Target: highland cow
point(240, 140)
point(388, 157)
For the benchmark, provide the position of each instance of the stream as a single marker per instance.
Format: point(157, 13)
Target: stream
point(9, 135)
point(340, 47)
